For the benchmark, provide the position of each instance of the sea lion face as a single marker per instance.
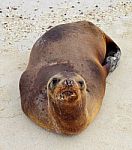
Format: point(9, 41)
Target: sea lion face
point(66, 87)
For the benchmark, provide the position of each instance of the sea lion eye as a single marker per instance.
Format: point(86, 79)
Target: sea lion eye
point(81, 84)
point(53, 83)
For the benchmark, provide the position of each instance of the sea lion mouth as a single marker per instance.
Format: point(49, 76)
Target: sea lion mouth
point(68, 95)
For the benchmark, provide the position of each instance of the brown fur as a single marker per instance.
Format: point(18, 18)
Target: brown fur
point(75, 47)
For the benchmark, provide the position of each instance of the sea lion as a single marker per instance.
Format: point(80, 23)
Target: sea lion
point(64, 83)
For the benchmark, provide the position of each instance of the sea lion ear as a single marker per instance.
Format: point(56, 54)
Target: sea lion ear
point(53, 83)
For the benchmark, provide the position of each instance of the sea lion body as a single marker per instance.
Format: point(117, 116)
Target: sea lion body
point(81, 48)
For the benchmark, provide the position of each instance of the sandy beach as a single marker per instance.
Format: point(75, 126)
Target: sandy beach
point(21, 24)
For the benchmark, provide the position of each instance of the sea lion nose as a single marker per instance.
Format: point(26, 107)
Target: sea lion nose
point(68, 82)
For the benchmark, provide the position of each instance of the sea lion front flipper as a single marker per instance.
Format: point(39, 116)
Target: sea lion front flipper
point(113, 54)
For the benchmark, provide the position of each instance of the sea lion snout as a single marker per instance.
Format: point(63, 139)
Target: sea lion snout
point(68, 82)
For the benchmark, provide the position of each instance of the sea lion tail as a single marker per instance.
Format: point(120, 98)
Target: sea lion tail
point(113, 54)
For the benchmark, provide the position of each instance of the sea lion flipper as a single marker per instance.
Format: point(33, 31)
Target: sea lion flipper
point(113, 54)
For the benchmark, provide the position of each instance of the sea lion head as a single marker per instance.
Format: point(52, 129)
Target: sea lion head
point(66, 93)
point(66, 87)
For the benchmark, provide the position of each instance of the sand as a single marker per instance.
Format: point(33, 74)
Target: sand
point(21, 23)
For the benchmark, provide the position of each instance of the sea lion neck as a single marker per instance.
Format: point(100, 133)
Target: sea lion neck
point(69, 118)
